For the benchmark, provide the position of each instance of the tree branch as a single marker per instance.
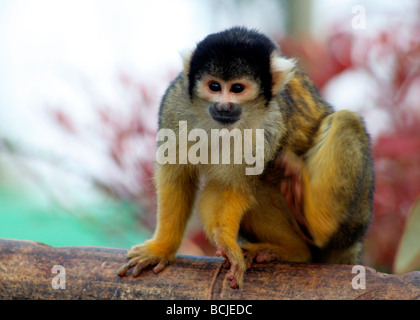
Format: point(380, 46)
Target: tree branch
point(91, 273)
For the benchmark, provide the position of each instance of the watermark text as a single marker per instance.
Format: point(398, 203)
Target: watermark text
point(223, 142)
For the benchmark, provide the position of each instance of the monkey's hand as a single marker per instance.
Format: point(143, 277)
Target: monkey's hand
point(292, 187)
point(145, 255)
point(236, 264)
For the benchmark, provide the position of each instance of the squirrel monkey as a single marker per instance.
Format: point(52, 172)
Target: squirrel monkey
point(313, 200)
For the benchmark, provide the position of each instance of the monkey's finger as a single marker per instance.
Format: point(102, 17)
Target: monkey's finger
point(232, 271)
point(237, 279)
point(230, 275)
point(161, 265)
point(221, 253)
point(299, 196)
point(123, 270)
point(233, 280)
point(298, 188)
point(291, 169)
point(266, 256)
point(289, 197)
point(284, 186)
point(290, 164)
point(280, 161)
point(261, 258)
point(234, 284)
point(138, 268)
point(249, 257)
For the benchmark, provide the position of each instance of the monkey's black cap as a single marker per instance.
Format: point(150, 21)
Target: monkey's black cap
point(233, 53)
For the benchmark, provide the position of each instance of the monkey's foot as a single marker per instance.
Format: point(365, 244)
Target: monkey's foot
point(259, 252)
point(236, 263)
point(141, 257)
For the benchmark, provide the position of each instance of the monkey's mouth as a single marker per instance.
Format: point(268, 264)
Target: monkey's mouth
point(225, 117)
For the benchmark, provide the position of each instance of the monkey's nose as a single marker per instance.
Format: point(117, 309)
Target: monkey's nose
point(224, 106)
point(225, 113)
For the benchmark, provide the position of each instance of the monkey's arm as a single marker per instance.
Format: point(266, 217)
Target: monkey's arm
point(330, 190)
point(175, 191)
point(222, 209)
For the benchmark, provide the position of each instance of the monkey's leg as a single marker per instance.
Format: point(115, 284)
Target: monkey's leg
point(175, 192)
point(221, 210)
point(271, 230)
point(330, 190)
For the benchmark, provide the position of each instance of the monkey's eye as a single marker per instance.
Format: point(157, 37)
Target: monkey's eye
point(214, 86)
point(237, 88)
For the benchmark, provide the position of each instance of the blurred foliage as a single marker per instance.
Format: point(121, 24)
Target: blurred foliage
point(390, 57)
point(52, 198)
point(408, 254)
point(128, 136)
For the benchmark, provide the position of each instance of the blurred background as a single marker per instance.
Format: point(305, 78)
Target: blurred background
point(81, 83)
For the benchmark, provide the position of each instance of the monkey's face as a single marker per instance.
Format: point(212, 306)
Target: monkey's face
point(234, 75)
point(227, 99)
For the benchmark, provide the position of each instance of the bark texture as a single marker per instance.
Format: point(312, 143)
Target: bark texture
point(26, 272)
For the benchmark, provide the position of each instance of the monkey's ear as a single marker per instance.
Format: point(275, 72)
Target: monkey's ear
point(282, 70)
point(186, 55)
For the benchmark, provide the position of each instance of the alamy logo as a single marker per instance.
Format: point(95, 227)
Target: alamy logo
point(359, 20)
point(59, 281)
point(359, 280)
point(220, 140)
